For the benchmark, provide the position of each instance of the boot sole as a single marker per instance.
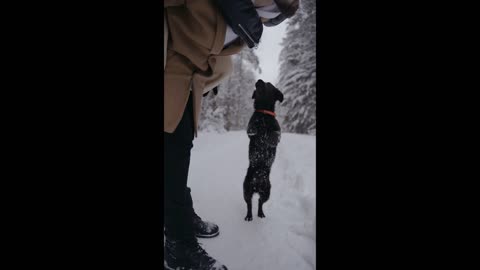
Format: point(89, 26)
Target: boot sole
point(207, 235)
point(165, 264)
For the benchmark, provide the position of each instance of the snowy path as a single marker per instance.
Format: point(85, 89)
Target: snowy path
point(285, 239)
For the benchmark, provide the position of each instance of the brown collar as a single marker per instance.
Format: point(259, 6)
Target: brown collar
point(266, 112)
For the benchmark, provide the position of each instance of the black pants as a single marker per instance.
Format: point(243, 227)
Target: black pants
point(178, 204)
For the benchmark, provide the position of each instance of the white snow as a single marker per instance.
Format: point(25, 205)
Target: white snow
point(285, 239)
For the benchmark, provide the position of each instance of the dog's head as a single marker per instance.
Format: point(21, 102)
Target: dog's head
point(266, 95)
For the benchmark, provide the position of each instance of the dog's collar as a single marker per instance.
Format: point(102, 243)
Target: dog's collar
point(266, 112)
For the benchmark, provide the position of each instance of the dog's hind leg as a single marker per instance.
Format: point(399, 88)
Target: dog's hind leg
point(264, 196)
point(247, 195)
point(260, 209)
point(248, 200)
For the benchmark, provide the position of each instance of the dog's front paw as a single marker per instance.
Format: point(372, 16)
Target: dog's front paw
point(248, 218)
point(261, 215)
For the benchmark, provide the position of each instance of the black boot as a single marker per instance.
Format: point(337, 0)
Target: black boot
point(204, 229)
point(188, 255)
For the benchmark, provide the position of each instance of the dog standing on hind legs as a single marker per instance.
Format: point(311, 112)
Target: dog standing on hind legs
point(264, 133)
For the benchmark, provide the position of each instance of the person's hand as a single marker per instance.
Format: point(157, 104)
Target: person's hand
point(242, 17)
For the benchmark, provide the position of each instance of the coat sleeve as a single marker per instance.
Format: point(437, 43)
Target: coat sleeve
point(223, 69)
point(172, 3)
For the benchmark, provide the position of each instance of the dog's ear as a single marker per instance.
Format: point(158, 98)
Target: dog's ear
point(259, 83)
point(279, 95)
point(254, 91)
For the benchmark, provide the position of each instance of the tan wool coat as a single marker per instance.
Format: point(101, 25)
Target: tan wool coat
point(195, 57)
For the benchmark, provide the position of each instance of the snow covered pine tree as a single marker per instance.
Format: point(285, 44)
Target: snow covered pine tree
point(297, 76)
point(232, 107)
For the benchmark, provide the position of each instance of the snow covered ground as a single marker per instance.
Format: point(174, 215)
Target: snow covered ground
point(285, 239)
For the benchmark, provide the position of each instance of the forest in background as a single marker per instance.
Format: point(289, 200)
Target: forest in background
point(232, 107)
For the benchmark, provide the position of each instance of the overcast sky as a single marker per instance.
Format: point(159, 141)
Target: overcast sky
point(269, 50)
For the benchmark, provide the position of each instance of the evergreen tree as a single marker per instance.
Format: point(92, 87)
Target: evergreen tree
point(232, 107)
point(297, 76)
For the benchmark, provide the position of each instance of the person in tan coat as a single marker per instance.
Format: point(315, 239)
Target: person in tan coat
point(198, 45)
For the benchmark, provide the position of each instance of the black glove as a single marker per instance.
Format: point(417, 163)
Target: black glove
point(242, 17)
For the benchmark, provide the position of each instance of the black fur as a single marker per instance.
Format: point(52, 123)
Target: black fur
point(264, 133)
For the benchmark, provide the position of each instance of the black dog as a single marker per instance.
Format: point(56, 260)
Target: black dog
point(264, 133)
